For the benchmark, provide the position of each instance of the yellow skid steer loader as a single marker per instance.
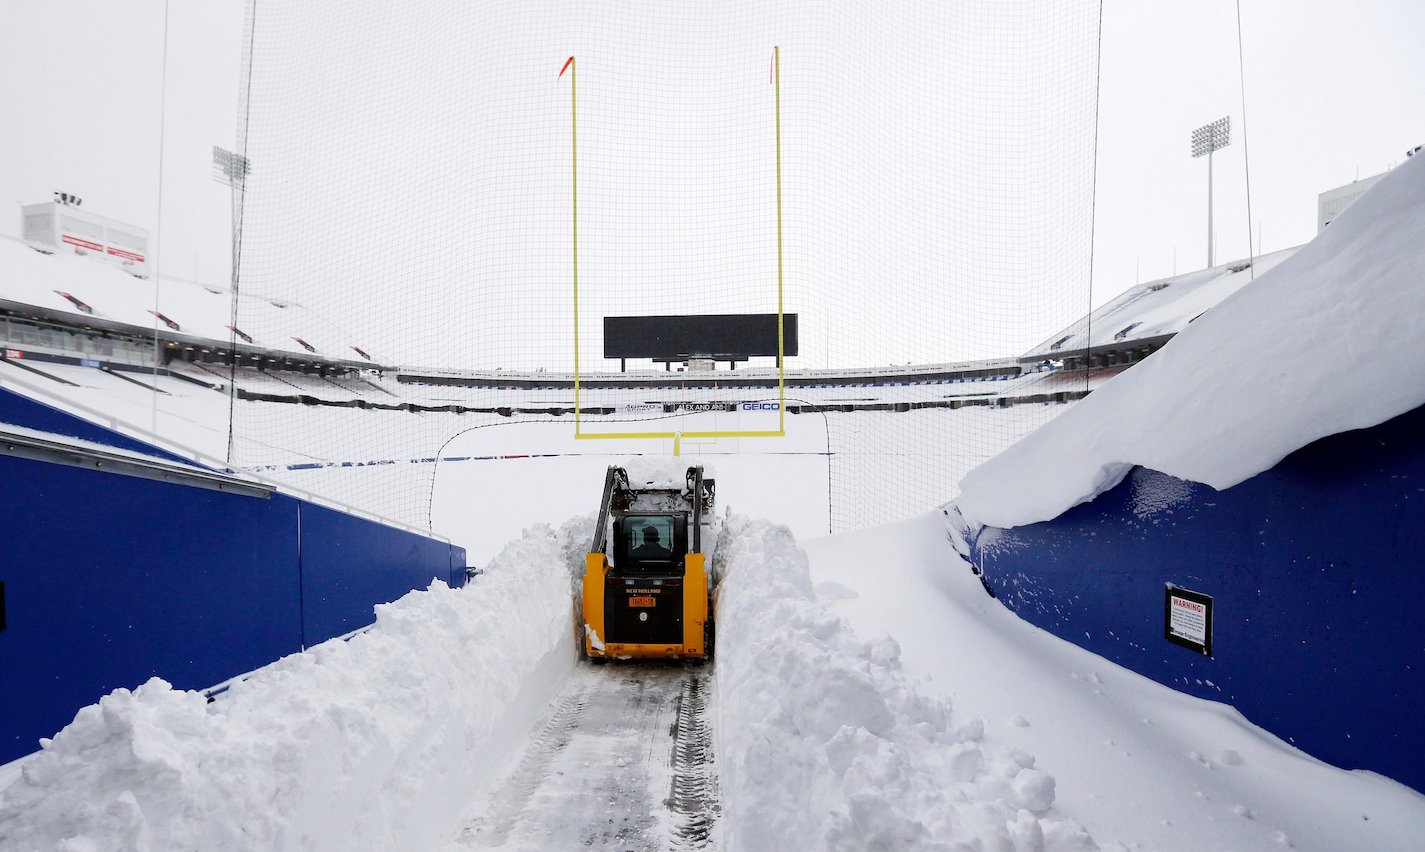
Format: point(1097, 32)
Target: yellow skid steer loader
point(646, 590)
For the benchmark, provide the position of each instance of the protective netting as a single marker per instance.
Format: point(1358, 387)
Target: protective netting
point(412, 183)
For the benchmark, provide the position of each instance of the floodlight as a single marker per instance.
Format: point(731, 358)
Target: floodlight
point(1211, 137)
point(230, 168)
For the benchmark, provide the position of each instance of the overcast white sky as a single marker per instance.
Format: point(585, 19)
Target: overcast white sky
point(1334, 92)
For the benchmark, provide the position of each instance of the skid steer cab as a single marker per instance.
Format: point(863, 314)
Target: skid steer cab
point(646, 590)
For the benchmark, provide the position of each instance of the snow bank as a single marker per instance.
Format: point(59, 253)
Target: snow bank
point(1139, 764)
point(824, 744)
point(1326, 342)
point(371, 743)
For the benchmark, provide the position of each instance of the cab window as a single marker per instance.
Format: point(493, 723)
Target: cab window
point(648, 538)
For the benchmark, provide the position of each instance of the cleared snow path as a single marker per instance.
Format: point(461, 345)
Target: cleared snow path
point(621, 760)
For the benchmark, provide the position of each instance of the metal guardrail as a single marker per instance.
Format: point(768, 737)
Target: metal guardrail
point(93, 458)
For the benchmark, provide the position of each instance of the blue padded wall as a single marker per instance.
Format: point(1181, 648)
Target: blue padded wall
point(111, 579)
point(348, 564)
point(1316, 569)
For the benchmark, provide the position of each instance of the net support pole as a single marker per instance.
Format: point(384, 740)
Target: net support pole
point(781, 368)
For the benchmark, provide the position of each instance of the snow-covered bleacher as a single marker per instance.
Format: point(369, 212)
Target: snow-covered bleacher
point(73, 291)
point(1143, 318)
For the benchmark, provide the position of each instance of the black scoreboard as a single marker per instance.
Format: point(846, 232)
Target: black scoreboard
point(719, 337)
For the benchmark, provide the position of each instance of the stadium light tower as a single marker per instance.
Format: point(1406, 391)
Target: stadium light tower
point(231, 170)
point(1205, 140)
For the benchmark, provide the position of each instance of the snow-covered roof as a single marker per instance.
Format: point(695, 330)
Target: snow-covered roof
point(1327, 341)
point(201, 311)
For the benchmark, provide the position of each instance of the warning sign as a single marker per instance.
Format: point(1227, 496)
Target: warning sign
point(1187, 620)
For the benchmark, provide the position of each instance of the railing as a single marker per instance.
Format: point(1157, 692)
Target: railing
point(38, 448)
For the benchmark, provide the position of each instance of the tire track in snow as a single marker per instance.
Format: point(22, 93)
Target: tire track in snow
point(621, 761)
point(508, 804)
point(693, 800)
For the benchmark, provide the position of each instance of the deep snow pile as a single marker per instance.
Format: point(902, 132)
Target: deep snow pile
point(368, 743)
point(1325, 342)
point(825, 744)
point(1139, 764)
point(659, 471)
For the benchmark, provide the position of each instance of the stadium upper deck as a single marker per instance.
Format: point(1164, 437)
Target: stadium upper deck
point(67, 310)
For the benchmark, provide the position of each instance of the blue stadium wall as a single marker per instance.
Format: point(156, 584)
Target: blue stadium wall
point(1316, 570)
point(109, 579)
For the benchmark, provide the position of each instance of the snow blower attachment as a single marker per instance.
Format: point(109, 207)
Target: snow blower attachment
point(646, 586)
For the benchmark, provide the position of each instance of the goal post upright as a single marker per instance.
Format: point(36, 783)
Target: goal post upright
point(574, 166)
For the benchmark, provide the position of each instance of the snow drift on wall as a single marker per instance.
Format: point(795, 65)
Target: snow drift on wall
point(1326, 342)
